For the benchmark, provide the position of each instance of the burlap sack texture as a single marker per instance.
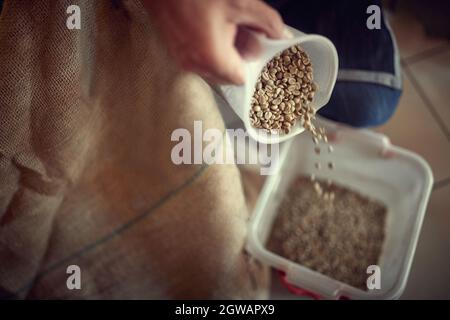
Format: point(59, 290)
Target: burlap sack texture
point(85, 171)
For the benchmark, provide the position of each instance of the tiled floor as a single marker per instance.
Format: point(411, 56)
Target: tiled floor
point(411, 38)
point(422, 124)
point(432, 74)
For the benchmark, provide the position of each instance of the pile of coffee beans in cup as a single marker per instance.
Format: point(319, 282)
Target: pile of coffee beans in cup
point(284, 92)
point(339, 238)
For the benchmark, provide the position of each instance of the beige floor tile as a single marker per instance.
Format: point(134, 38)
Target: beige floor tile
point(410, 35)
point(430, 273)
point(433, 75)
point(414, 128)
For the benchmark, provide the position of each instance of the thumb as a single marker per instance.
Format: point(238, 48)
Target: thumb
point(247, 45)
point(260, 16)
point(226, 64)
point(231, 68)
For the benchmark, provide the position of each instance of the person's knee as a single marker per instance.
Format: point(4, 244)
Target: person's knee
point(361, 104)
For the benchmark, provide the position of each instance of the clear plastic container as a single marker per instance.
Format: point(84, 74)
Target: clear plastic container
point(324, 60)
point(368, 163)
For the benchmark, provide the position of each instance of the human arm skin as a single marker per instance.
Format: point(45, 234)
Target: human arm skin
point(211, 37)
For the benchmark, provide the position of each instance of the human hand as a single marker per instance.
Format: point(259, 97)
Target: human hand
point(211, 37)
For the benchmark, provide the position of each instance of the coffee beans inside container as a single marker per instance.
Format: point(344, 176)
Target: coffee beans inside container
point(284, 92)
point(339, 238)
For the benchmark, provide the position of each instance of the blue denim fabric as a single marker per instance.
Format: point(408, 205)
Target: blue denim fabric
point(361, 104)
point(344, 23)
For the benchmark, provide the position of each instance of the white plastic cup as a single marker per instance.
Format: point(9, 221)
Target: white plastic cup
point(324, 60)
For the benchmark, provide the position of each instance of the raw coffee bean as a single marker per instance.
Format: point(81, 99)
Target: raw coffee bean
point(256, 108)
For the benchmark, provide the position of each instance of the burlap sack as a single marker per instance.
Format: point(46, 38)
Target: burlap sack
point(86, 176)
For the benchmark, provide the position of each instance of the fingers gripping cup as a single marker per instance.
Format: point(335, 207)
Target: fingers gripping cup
point(324, 60)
